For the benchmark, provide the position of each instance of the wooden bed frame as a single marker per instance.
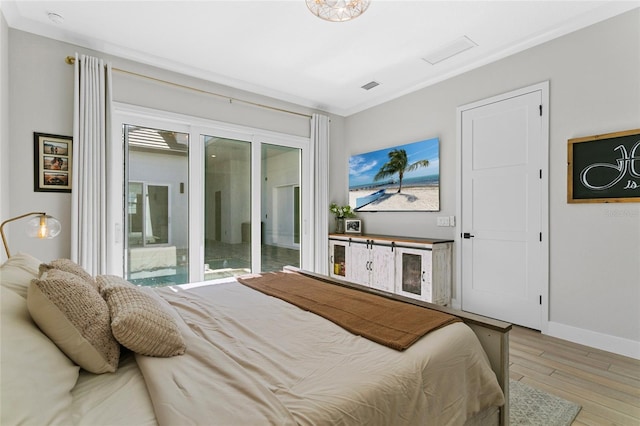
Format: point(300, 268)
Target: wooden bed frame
point(492, 334)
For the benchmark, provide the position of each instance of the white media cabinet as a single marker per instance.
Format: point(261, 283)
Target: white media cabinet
point(419, 268)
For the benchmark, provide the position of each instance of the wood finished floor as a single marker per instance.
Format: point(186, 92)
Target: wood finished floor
point(606, 385)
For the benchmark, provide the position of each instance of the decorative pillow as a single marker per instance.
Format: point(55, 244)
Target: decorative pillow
point(37, 377)
point(139, 320)
point(74, 315)
point(69, 266)
point(18, 271)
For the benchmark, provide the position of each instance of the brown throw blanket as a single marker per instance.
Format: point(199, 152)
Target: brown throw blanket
point(389, 322)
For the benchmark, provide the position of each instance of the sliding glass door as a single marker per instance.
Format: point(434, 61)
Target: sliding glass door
point(157, 247)
point(227, 205)
point(280, 195)
point(205, 200)
point(229, 243)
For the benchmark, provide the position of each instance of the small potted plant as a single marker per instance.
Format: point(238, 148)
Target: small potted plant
point(341, 212)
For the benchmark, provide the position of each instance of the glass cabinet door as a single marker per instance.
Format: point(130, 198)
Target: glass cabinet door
point(338, 259)
point(413, 273)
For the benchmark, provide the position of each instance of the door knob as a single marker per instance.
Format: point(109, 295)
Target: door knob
point(467, 235)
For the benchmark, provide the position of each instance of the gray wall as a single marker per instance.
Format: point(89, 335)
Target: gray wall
point(594, 248)
point(4, 119)
point(594, 87)
point(41, 100)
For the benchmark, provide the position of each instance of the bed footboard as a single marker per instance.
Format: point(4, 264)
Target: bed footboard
point(492, 334)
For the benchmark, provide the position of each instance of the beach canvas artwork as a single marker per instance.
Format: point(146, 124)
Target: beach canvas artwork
point(401, 178)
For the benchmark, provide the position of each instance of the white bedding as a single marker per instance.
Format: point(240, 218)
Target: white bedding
point(251, 359)
point(119, 398)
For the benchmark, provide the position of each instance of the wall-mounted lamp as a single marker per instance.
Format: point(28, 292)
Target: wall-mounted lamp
point(42, 226)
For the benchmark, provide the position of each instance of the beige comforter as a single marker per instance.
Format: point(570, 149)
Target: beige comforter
point(256, 360)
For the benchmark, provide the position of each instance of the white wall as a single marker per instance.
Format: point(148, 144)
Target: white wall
point(4, 123)
point(594, 294)
point(41, 100)
point(282, 174)
point(594, 248)
point(162, 169)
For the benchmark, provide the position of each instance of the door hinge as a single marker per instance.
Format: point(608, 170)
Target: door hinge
point(540, 173)
point(540, 110)
point(541, 299)
point(541, 237)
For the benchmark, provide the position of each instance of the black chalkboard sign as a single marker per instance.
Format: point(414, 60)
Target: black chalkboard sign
point(604, 168)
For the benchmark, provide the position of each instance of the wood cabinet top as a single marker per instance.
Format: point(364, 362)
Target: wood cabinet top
point(389, 238)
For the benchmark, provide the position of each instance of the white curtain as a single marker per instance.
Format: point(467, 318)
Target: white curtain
point(320, 143)
point(92, 110)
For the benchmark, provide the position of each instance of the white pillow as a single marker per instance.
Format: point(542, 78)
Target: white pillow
point(37, 377)
point(18, 271)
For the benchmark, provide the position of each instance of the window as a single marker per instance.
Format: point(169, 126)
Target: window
point(204, 200)
point(156, 225)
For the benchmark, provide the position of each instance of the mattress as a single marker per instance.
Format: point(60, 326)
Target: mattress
point(251, 359)
point(247, 349)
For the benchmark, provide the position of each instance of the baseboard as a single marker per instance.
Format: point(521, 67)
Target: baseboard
point(605, 342)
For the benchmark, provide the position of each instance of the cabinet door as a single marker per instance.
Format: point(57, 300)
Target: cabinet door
point(382, 268)
point(413, 273)
point(359, 264)
point(337, 258)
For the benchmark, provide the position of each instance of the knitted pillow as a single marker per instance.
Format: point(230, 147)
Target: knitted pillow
point(139, 321)
point(68, 266)
point(74, 316)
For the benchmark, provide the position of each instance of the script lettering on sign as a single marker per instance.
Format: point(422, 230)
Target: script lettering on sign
point(628, 163)
point(604, 168)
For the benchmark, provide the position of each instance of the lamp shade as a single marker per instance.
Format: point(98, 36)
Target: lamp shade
point(43, 227)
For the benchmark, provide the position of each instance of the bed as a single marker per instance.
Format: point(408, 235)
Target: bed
point(237, 356)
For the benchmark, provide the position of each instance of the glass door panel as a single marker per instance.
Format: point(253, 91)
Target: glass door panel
point(411, 273)
point(227, 207)
point(148, 214)
point(157, 222)
point(280, 211)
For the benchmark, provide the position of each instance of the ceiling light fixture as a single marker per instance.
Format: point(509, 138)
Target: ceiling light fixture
point(337, 10)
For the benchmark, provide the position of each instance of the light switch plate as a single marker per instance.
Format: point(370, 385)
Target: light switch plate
point(443, 221)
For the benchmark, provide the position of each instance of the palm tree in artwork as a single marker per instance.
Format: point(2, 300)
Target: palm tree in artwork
point(398, 163)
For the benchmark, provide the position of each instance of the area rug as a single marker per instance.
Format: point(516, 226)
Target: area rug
point(534, 407)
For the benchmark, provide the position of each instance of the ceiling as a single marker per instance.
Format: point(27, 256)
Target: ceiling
point(279, 49)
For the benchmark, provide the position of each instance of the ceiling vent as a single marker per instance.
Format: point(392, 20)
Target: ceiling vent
point(370, 85)
point(449, 50)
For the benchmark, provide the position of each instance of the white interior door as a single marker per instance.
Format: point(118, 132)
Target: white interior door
point(502, 209)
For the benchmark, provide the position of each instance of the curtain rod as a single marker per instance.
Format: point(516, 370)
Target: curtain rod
point(71, 60)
